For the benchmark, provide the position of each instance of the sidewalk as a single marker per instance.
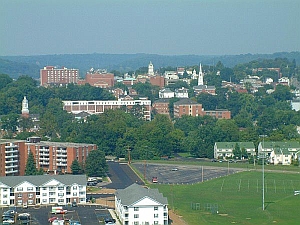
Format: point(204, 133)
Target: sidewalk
point(113, 215)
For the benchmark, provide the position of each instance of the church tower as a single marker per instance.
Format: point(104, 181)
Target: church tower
point(200, 77)
point(25, 110)
point(150, 69)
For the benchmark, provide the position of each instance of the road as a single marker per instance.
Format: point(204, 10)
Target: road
point(121, 176)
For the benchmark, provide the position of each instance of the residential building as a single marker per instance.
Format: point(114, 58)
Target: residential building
point(182, 93)
point(219, 113)
point(98, 107)
point(187, 107)
point(171, 75)
point(51, 75)
point(52, 157)
point(138, 205)
point(204, 89)
point(42, 190)
point(166, 93)
point(161, 106)
point(225, 149)
point(279, 152)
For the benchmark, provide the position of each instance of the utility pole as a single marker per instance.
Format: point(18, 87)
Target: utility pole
point(129, 157)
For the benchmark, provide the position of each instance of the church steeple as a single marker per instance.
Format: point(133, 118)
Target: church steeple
point(200, 77)
point(150, 69)
point(25, 110)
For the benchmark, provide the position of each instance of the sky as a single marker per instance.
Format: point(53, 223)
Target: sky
point(166, 27)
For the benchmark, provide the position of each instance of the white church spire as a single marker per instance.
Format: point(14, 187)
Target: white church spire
point(200, 77)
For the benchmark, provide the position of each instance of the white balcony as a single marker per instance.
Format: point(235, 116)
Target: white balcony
point(11, 156)
point(11, 150)
point(61, 151)
point(44, 154)
point(61, 160)
point(11, 161)
point(61, 155)
point(61, 164)
point(11, 171)
point(44, 163)
point(44, 159)
point(11, 166)
point(43, 150)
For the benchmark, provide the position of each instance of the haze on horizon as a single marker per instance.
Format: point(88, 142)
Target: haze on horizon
point(167, 27)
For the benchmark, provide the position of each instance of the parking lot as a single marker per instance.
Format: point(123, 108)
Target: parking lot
point(86, 215)
point(182, 174)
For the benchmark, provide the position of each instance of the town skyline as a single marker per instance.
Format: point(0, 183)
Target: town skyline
point(166, 27)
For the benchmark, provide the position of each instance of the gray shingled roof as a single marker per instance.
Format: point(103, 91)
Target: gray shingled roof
point(135, 192)
point(39, 180)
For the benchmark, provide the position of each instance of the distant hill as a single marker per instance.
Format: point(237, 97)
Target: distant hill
point(30, 65)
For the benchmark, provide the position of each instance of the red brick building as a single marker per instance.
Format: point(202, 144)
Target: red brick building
point(102, 80)
point(51, 75)
point(161, 106)
point(157, 81)
point(219, 114)
point(51, 156)
point(187, 107)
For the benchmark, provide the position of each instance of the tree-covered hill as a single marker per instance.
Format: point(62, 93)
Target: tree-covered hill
point(30, 65)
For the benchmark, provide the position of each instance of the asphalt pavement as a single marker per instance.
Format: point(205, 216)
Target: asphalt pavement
point(121, 176)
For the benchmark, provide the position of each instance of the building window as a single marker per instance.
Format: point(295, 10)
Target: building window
point(155, 222)
point(74, 194)
point(155, 215)
point(30, 195)
point(60, 194)
point(155, 207)
point(74, 187)
point(136, 208)
point(30, 202)
point(4, 202)
point(44, 200)
point(44, 194)
point(19, 189)
point(51, 200)
point(61, 188)
point(5, 189)
point(136, 223)
point(29, 188)
point(136, 215)
point(19, 195)
point(45, 188)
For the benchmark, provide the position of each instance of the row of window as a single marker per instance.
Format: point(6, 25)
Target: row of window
point(137, 216)
point(137, 208)
point(60, 188)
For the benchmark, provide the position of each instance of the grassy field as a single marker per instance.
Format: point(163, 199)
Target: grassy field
point(237, 199)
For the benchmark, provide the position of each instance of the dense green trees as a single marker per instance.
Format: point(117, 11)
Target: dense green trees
point(96, 165)
point(118, 131)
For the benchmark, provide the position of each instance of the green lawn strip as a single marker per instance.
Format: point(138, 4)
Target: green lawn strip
point(238, 199)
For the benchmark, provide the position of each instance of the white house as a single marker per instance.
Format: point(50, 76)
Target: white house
point(171, 75)
point(225, 149)
point(182, 93)
point(136, 205)
point(42, 190)
point(282, 152)
point(166, 93)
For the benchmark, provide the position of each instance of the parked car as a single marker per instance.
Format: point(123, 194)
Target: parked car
point(51, 219)
point(174, 169)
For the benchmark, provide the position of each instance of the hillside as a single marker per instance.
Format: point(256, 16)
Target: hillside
point(30, 65)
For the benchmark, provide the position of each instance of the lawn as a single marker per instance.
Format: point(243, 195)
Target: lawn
point(237, 199)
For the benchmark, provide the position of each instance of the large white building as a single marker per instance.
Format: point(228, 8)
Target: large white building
point(42, 190)
point(136, 205)
point(98, 107)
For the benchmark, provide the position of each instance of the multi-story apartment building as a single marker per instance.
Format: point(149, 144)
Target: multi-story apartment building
point(98, 79)
point(42, 190)
point(187, 107)
point(52, 157)
point(57, 156)
point(98, 107)
point(138, 205)
point(161, 106)
point(51, 75)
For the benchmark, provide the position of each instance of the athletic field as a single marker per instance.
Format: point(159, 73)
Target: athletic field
point(237, 199)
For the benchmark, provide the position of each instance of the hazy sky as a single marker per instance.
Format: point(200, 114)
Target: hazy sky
point(171, 27)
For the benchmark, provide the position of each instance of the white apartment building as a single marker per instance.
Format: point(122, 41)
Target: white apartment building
point(42, 190)
point(136, 205)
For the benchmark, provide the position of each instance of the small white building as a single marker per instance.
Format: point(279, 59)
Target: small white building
point(136, 205)
point(182, 93)
point(166, 93)
point(171, 75)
